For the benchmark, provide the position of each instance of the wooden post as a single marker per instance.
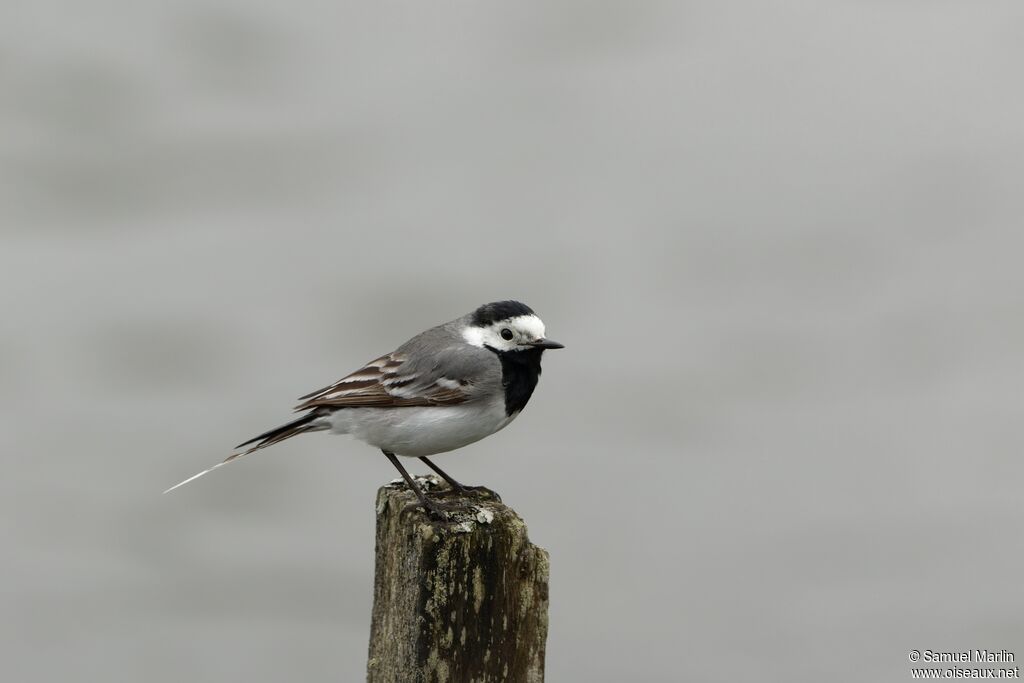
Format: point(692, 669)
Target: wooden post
point(455, 601)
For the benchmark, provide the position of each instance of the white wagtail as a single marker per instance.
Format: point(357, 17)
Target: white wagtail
point(441, 390)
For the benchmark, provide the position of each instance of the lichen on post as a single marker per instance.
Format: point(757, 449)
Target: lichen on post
point(456, 600)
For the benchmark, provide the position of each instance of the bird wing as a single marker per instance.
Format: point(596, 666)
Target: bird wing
point(391, 381)
point(417, 374)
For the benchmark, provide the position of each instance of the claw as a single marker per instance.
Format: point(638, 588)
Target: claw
point(434, 508)
point(483, 490)
point(469, 491)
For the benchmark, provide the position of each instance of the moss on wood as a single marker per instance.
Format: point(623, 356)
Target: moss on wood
point(459, 600)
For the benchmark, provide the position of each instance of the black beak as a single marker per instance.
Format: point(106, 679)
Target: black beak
point(545, 344)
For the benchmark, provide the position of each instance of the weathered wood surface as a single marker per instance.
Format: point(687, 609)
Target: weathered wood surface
point(456, 601)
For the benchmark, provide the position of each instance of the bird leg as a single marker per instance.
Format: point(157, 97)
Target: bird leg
point(456, 486)
point(432, 507)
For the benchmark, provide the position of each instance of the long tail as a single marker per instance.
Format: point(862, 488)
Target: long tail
point(278, 434)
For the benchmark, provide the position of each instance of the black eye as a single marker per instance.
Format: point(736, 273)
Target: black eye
point(506, 334)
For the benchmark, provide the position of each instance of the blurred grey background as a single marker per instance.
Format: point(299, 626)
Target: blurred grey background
point(781, 242)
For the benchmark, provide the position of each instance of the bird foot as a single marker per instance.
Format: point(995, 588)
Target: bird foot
point(434, 509)
point(478, 491)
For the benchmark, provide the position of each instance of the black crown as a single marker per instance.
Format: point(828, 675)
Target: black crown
point(491, 313)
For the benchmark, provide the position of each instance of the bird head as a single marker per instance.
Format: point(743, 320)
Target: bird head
point(507, 326)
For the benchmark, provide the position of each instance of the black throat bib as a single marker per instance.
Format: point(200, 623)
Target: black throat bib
point(520, 371)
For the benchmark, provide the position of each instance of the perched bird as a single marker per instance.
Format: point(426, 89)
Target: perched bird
point(443, 389)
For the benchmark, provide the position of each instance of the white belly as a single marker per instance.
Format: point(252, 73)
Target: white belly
point(416, 432)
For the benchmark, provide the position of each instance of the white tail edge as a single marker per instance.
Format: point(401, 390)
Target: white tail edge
point(196, 476)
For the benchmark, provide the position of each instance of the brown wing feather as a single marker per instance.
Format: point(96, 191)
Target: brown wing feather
point(373, 370)
point(379, 384)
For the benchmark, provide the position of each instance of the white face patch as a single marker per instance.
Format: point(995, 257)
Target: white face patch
point(524, 329)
